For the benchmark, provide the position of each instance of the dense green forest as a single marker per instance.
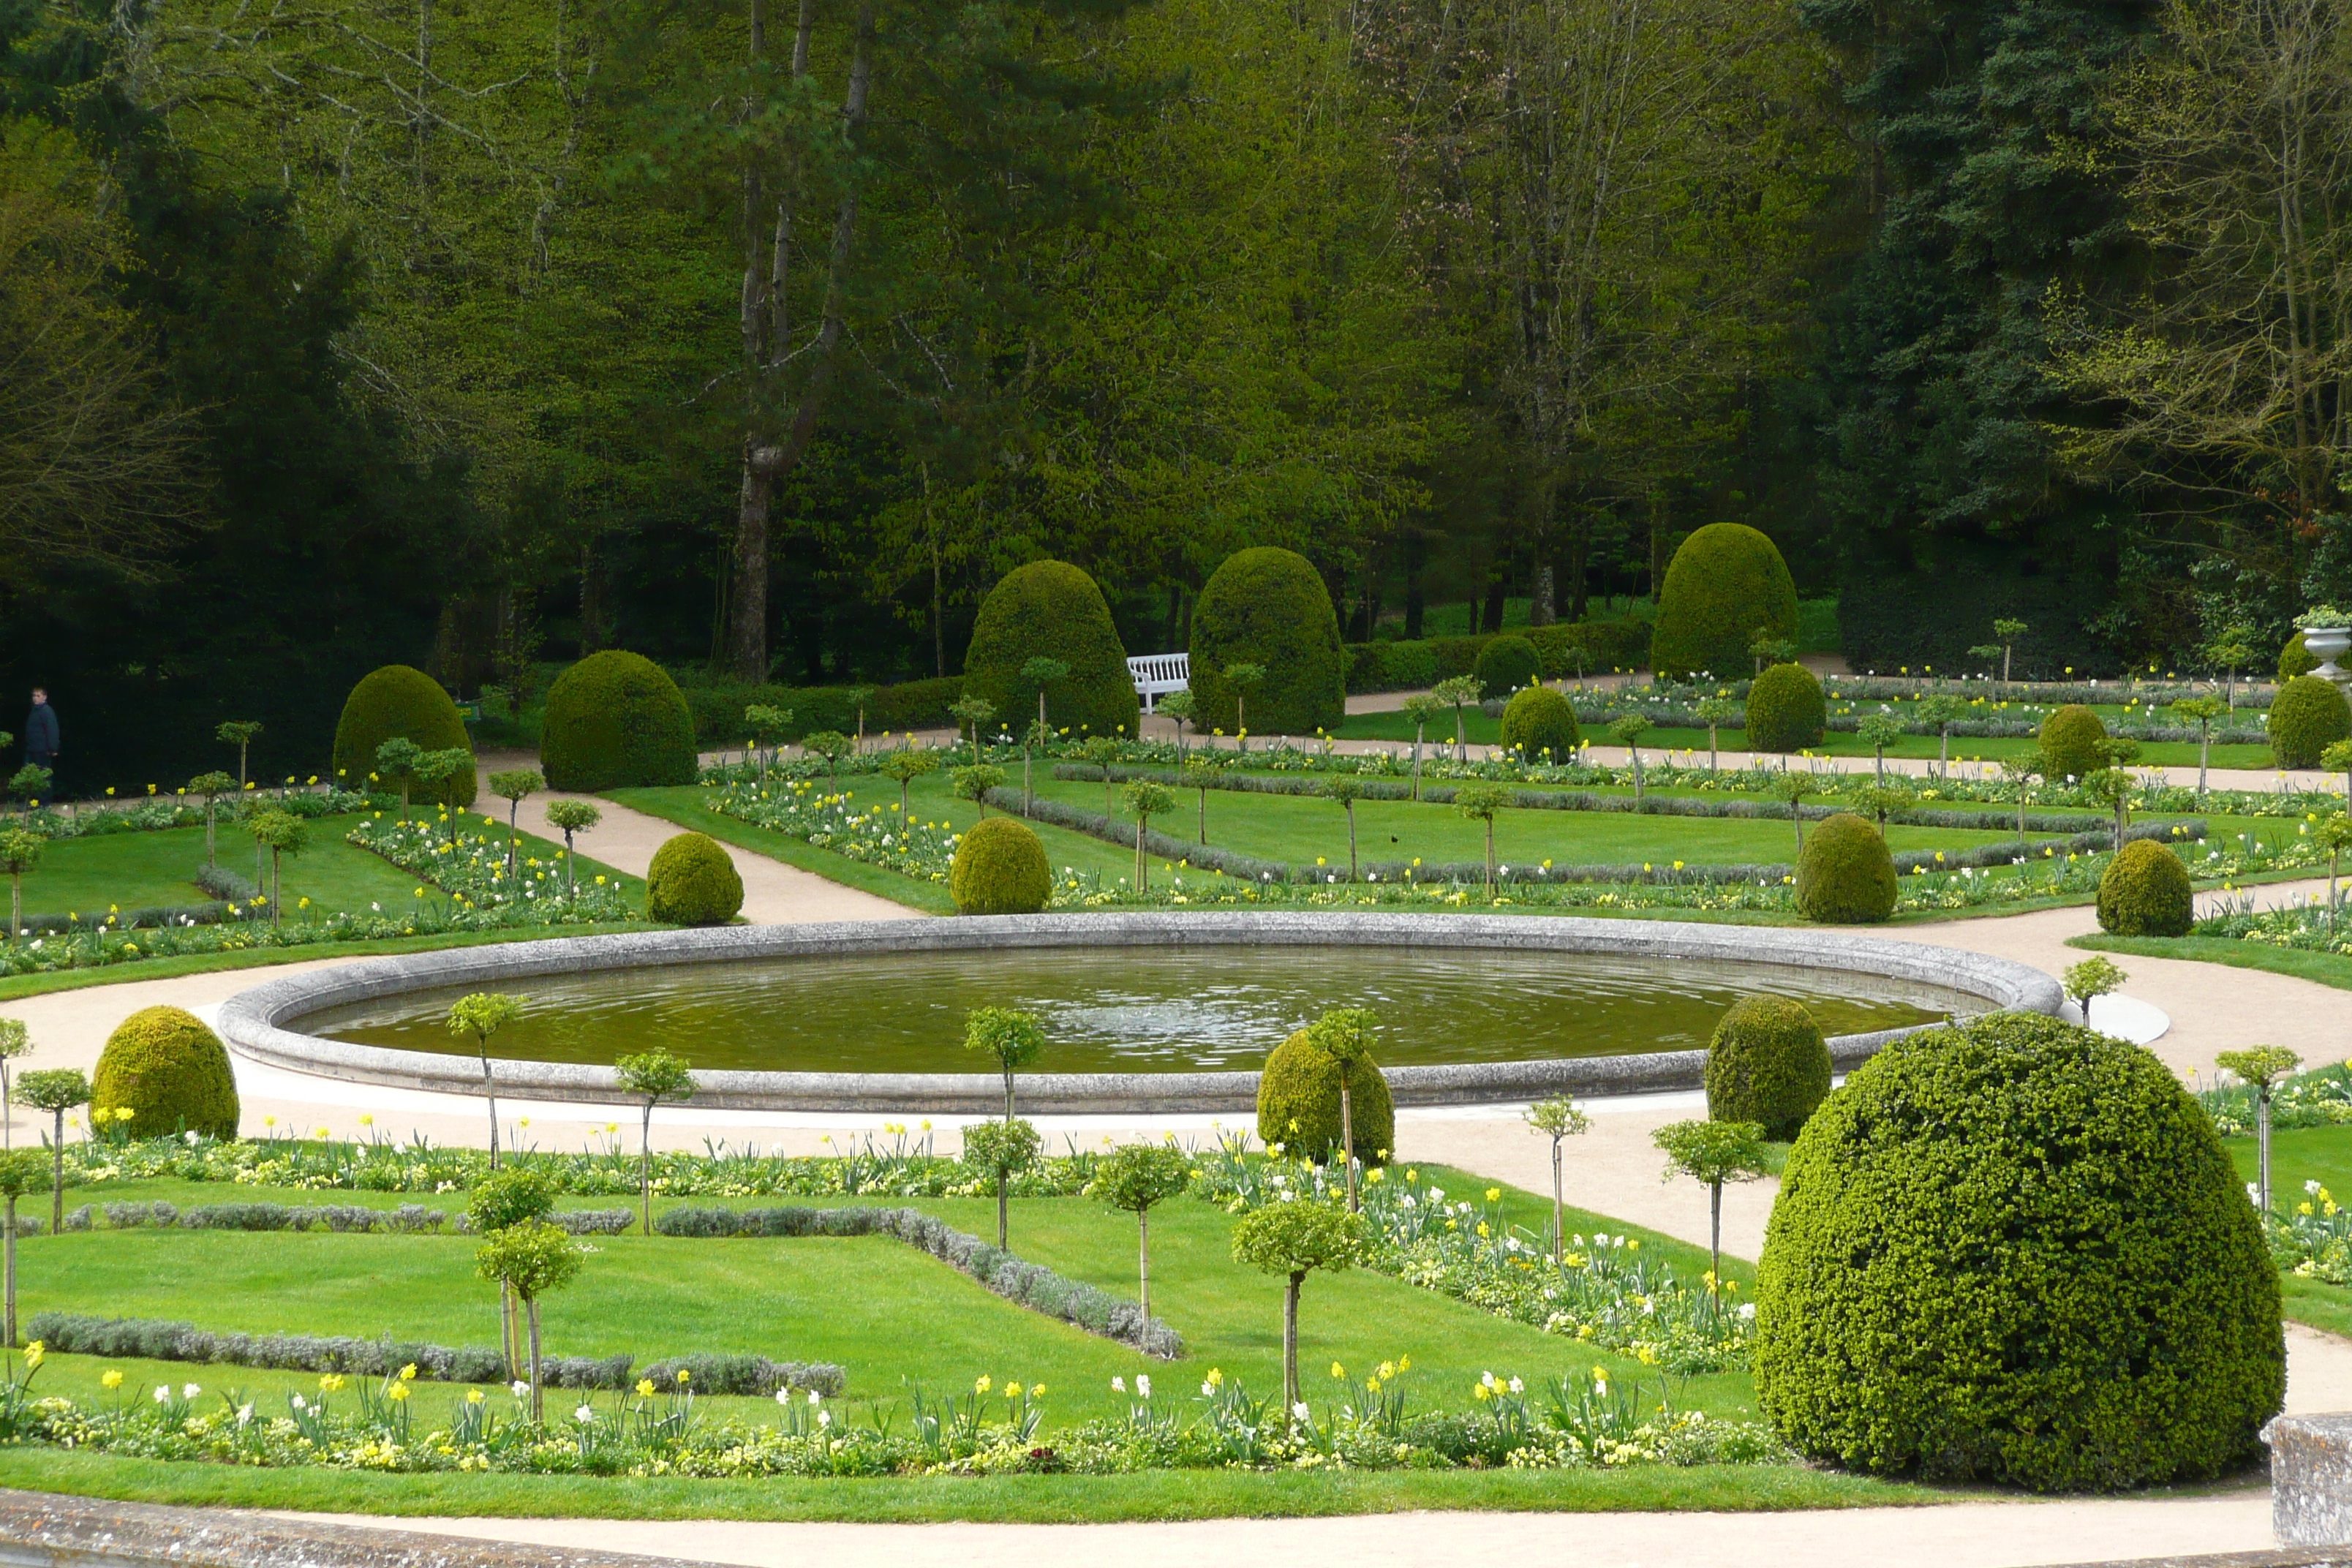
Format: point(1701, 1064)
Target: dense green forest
point(767, 337)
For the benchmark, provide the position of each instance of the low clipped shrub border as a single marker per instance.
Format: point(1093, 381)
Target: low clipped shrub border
point(1030, 1285)
point(1567, 648)
point(408, 1219)
point(152, 1339)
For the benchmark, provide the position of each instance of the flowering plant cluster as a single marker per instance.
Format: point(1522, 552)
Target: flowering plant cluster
point(878, 835)
point(250, 929)
point(2319, 1099)
point(2314, 1241)
point(472, 868)
point(2311, 926)
point(154, 811)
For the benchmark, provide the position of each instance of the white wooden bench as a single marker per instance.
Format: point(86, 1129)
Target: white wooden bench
point(1157, 674)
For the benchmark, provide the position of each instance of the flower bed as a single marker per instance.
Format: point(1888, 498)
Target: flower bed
point(2310, 927)
point(472, 868)
point(2312, 1241)
point(876, 835)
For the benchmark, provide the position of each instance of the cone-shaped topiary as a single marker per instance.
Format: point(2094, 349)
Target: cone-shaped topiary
point(399, 701)
point(1298, 1103)
point(1050, 609)
point(1768, 1064)
point(1506, 664)
point(1845, 877)
point(2296, 660)
point(1539, 724)
point(693, 882)
point(2013, 1250)
point(999, 868)
point(1786, 709)
point(169, 1071)
point(2145, 892)
point(1727, 583)
point(615, 720)
point(2308, 715)
point(1268, 608)
point(2070, 743)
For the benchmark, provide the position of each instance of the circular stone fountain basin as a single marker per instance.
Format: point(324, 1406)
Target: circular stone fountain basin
point(1146, 1012)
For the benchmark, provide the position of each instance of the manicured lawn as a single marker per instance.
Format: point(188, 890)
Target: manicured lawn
point(2325, 968)
point(2322, 1154)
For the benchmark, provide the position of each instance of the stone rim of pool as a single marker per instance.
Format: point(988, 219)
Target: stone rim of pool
point(252, 1022)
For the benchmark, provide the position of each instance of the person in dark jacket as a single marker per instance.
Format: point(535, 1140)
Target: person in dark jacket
point(41, 732)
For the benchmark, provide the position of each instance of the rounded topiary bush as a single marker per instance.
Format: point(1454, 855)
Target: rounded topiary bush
point(1845, 876)
point(617, 720)
point(1050, 609)
point(999, 868)
point(1539, 721)
point(1786, 709)
point(1506, 664)
point(693, 882)
point(170, 1072)
point(1725, 583)
point(400, 702)
point(1768, 1063)
point(1268, 608)
point(2296, 660)
point(1298, 1103)
point(2070, 743)
point(2145, 892)
point(2012, 1249)
point(2308, 715)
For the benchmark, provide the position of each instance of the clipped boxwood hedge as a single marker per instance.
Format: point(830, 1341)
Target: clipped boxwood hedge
point(1050, 609)
point(1268, 606)
point(2308, 716)
point(1569, 649)
point(1845, 876)
point(1768, 1063)
point(171, 1072)
point(2296, 660)
point(1539, 723)
point(1725, 584)
point(717, 708)
point(1786, 709)
point(693, 882)
point(999, 868)
point(1506, 664)
point(2070, 743)
point(2146, 892)
point(2013, 1250)
point(615, 720)
point(400, 702)
point(1298, 1103)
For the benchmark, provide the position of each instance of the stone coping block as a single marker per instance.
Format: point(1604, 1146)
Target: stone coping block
point(255, 1023)
point(43, 1530)
point(2311, 1479)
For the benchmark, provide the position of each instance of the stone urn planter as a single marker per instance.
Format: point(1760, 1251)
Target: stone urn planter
point(2328, 645)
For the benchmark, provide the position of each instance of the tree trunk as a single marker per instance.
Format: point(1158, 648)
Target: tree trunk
point(2261, 1123)
point(1715, 1231)
point(490, 1093)
point(1348, 1137)
point(1558, 1224)
point(537, 1397)
point(1497, 590)
point(57, 1179)
point(646, 1166)
point(1143, 1294)
point(1004, 1181)
point(11, 1243)
point(508, 1348)
point(1289, 1332)
point(1351, 841)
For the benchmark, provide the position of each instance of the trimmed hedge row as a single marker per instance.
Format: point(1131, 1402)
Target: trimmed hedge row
point(408, 1219)
point(1410, 665)
point(1030, 1285)
point(150, 1338)
point(718, 708)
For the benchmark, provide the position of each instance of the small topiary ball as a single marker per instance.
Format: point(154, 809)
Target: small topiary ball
point(1845, 877)
point(171, 1072)
point(1768, 1063)
point(1508, 663)
point(1050, 609)
point(1539, 724)
point(2145, 892)
point(400, 702)
point(2013, 1250)
point(2308, 715)
point(617, 720)
point(1725, 583)
point(1298, 1103)
point(999, 868)
point(1268, 606)
point(693, 882)
point(2296, 660)
point(1786, 709)
point(2070, 743)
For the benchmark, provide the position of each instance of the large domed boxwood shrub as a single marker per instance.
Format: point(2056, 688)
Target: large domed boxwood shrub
point(1786, 709)
point(617, 720)
point(1845, 876)
point(1298, 1103)
point(2308, 715)
point(2013, 1250)
point(1507, 664)
point(1269, 608)
point(2296, 660)
point(2070, 743)
point(1725, 583)
point(2146, 892)
point(693, 882)
point(400, 702)
point(171, 1072)
point(1050, 609)
point(1766, 1063)
point(1540, 723)
point(999, 868)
